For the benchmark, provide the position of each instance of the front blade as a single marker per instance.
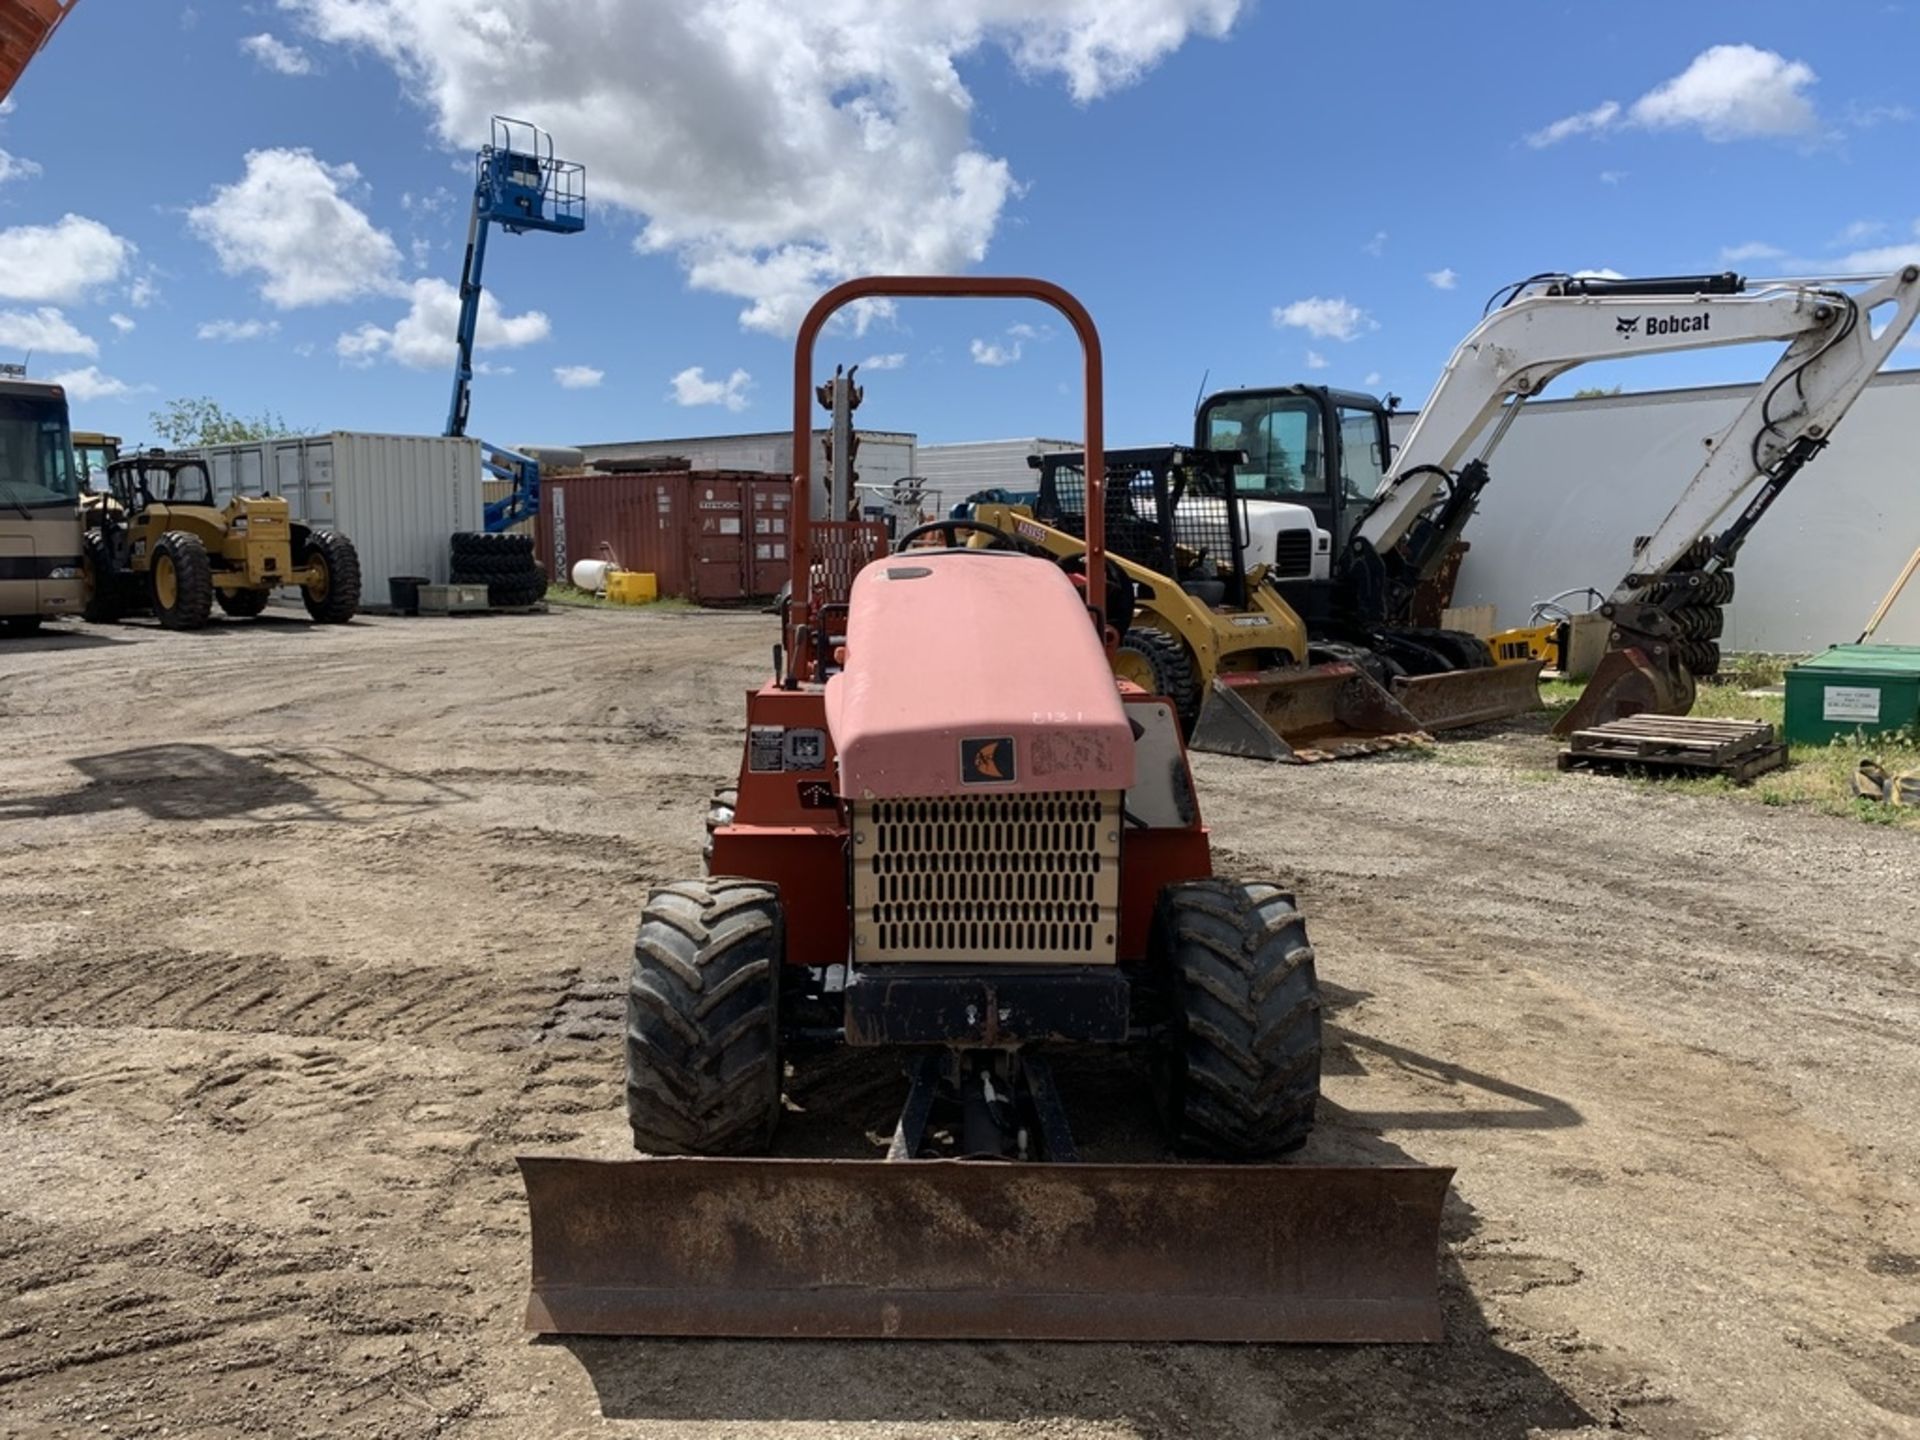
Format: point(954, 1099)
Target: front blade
point(1455, 699)
point(1319, 712)
point(1630, 681)
point(947, 1249)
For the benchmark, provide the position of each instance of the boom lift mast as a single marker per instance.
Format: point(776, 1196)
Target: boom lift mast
point(519, 186)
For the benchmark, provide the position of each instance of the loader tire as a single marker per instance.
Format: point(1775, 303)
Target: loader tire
point(105, 587)
point(1159, 664)
point(1239, 1073)
point(720, 808)
point(703, 1019)
point(244, 604)
point(336, 597)
point(181, 581)
point(20, 627)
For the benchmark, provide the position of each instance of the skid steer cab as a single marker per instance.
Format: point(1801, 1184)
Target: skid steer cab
point(955, 836)
point(157, 542)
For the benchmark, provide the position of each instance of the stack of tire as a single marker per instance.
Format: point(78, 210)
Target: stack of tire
point(502, 563)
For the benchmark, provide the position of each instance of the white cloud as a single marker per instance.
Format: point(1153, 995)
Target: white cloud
point(578, 377)
point(1603, 273)
point(1598, 118)
point(276, 55)
point(46, 330)
point(1316, 361)
point(1751, 250)
point(142, 292)
point(423, 337)
point(288, 220)
point(1443, 279)
point(90, 384)
point(993, 352)
point(892, 361)
point(123, 323)
point(1325, 319)
point(772, 147)
point(1872, 262)
point(234, 330)
point(1861, 231)
point(1377, 246)
point(1866, 117)
point(1373, 379)
point(1732, 92)
point(1612, 177)
point(16, 167)
point(1728, 92)
point(62, 261)
point(691, 387)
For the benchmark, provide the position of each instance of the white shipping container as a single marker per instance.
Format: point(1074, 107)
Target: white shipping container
point(399, 498)
point(1576, 480)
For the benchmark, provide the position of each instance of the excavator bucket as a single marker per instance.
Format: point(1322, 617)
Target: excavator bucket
point(985, 1250)
point(1318, 712)
point(1631, 681)
point(1455, 699)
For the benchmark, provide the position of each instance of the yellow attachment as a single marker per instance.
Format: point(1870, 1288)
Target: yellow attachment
point(632, 587)
point(1529, 642)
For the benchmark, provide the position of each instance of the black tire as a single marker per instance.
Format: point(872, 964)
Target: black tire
point(703, 1019)
point(105, 587)
point(720, 809)
point(243, 604)
point(335, 602)
point(1239, 1074)
point(1382, 668)
point(185, 558)
point(1161, 664)
point(19, 627)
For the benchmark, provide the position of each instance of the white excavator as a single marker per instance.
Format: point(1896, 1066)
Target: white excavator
point(1321, 477)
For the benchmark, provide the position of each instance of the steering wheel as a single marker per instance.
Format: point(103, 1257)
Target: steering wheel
point(951, 529)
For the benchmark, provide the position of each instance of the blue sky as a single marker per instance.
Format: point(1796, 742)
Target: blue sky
point(266, 202)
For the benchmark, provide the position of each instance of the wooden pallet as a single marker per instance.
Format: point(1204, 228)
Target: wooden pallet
point(1677, 745)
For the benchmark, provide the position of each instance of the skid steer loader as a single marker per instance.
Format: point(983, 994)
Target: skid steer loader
point(156, 541)
point(972, 852)
point(1199, 625)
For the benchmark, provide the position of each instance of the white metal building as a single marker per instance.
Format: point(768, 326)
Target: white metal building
point(1576, 480)
point(969, 466)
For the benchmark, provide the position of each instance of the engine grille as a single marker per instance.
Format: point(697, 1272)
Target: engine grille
point(997, 879)
point(1293, 554)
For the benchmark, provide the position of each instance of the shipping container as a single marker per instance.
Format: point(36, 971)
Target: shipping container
point(884, 456)
point(1577, 479)
point(399, 498)
point(717, 537)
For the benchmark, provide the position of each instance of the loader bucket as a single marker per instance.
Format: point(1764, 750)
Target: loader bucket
point(1630, 681)
point(984, 1250)
point(1318, 712)
point(1455, 699)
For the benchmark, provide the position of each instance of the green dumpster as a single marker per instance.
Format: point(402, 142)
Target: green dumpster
point(1854, 689)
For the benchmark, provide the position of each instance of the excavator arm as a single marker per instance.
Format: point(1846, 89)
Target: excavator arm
point(1665, 609)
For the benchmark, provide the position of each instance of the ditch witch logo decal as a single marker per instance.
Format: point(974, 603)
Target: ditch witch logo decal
point(1629, 325)
point(987, 761)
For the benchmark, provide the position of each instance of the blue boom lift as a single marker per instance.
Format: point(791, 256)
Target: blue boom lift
point(519, 186)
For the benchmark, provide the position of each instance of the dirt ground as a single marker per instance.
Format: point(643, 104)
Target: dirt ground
point(304, 934)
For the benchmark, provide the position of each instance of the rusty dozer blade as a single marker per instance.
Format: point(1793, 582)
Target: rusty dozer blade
point(1455, 699)
point(1316, 712)
point(984, 1250)
point(1634, 680)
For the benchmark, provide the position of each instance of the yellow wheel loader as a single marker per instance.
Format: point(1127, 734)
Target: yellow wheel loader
point(1196, 624)
point(156, 541)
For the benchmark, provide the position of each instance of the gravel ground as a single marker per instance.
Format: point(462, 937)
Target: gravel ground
point(305, 933)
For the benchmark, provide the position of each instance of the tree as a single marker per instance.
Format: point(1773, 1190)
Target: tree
point(1593, 390)
point(202, 421)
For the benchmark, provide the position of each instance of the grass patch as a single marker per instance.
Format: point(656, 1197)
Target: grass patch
point(586, 600)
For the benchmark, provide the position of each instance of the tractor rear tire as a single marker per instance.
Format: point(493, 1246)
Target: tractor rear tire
point(20, 627)
point(1159, 663)
point(720, 810)
point(181, 581)
point(335, 600)
point(244, 604)
point(703, 1019)
point(1239, 1074)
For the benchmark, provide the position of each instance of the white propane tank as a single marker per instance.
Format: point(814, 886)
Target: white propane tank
point(591, 574)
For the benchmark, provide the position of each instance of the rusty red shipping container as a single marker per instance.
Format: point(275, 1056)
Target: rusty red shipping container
point(718, 537)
